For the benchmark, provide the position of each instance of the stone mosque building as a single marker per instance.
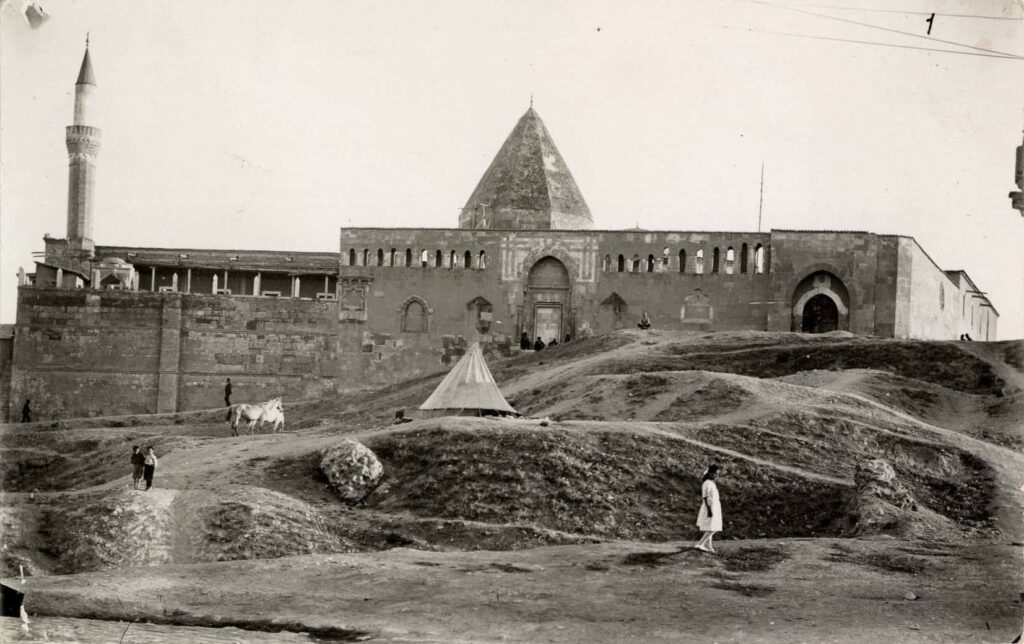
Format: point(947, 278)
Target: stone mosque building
point(115, 329)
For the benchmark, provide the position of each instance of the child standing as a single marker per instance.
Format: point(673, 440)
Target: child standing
point(138, 464)
point(709, 518)
point(149, 466)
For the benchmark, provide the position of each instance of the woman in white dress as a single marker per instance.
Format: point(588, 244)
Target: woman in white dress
point(709, 519)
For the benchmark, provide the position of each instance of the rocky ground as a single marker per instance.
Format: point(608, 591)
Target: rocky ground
point(871, 491)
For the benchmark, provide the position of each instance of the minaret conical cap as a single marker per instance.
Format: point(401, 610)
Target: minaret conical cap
point(85, 75)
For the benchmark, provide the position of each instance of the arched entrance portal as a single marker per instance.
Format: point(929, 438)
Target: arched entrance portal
point(546, 307)
point(820, 315)
point(821, 304)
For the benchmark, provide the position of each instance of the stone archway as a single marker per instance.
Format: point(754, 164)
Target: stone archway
point(820, 315)
point(821, 304)
point(546, 310)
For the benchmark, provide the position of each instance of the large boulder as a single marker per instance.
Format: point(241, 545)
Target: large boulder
point(352, 469)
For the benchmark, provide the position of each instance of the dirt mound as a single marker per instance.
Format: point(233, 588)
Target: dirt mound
point(70, 459)
point(589, 479)
point(941, 363)
point(251, 523)
point(691, 395)
point(126, 528)
point(881, 504)
point(118, 529)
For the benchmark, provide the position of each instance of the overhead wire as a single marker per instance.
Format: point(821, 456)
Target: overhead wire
point(881, 28)
point(870, 42)
point(909, 12)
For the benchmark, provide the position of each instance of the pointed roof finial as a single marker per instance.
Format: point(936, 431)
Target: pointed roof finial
point(85, 75)
point(531, 100)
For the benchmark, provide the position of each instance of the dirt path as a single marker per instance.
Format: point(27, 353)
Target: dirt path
point(753, 592)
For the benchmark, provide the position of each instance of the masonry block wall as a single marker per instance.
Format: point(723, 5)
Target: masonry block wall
point(396, 304)
point(6, 356)
point(89, 353)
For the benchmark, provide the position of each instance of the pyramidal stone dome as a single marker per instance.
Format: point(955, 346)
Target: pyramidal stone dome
point(528, 186)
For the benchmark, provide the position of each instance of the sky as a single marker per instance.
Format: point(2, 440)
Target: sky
point(250, 124)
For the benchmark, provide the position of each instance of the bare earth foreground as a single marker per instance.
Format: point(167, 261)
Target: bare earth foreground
point(871, 492)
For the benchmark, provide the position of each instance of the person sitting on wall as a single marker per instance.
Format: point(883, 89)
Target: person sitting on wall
point(645, 322)
point(26, 412)
point(554, 343)
point(568, 338)
point(539, 344)
point(524, 341)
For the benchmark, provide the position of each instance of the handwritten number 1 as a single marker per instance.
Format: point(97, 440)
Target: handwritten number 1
point(930, 21)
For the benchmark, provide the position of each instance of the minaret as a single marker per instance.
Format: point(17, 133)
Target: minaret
point(83, 143)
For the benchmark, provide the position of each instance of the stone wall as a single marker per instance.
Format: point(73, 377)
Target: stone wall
point(405, 303)
point(6, 354)
point(89, 353)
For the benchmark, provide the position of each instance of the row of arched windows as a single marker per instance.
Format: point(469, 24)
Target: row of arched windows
point(437, 259)
point(728, 262)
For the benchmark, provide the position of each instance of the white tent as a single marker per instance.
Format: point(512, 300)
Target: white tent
point(469, 388)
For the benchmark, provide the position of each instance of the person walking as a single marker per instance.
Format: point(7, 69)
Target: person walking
point(149, 467)
point(138, 465)
point(227, 393)
point(26, 412)
point(709, 518)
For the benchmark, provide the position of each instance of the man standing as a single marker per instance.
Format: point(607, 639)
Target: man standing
point(138, 465)
point(227, 393)
point(26, 412)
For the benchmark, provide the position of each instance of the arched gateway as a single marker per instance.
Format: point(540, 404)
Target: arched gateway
point(546, 307)
point(821, 304)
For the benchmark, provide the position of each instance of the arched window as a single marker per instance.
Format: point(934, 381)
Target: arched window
point(380, 257)
point(714, 260)
point(650, 263)
point(414, 317)
point(743, 258)
point(468, 257)
point(408, 257)
point(759, 258)
point(607, 264)
point(622, 263)
point(351, 256)
point(682, 260)
point(424, 258)
point(730, 260)
point(481, 312)
point(698, 262)
point(438, 259)
point(664, 259)
point(392, 257)
point(452, 259)
point(635, 266)
point(366, 257)
point(481, 262)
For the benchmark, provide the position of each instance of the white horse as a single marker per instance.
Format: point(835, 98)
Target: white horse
point(270, 410)
point(275, 416)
